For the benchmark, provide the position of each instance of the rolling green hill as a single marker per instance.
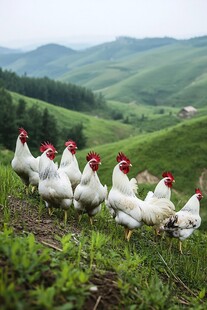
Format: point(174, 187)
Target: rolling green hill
point(172, 149)
point(96, 130)
point(159, 71)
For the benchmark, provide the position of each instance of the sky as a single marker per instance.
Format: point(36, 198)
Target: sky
point(25, 23)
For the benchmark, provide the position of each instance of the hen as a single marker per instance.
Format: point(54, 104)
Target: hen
point(54, 186)
point(163, 188)
point(90, 193)
point(69, 163)
point(24, 163)
point(162, 191)
point(130, 211)
point(184, 222)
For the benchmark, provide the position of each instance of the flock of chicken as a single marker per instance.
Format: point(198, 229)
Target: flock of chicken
point(62, 186)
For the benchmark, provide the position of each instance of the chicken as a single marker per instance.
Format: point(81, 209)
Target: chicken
point(90, 193)
point(184, 222)
point(130, 211)
point(69, 163)
point(163, 191)
point(163, 188)
point(24, 163)
point(54, 185)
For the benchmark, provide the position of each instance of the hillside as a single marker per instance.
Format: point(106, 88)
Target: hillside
point(170, 149)
point(156, 71)
point(96, 130)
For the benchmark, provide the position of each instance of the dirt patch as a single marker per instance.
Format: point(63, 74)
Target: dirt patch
point(203, 182)
point(104, 293)
point(25, 217)
point(146, 177)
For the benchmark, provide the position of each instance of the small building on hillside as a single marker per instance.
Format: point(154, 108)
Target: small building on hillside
point(187, 112)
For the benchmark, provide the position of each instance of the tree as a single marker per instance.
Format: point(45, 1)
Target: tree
point(49, 129)
point(75, 133)
point(8, 132)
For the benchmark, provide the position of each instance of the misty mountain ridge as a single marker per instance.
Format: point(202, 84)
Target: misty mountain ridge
point(153, 71)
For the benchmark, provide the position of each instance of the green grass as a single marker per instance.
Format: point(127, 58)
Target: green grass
point(97, 130)
point(146, 274)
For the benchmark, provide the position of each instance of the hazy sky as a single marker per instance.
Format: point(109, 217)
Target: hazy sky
point(32, 22)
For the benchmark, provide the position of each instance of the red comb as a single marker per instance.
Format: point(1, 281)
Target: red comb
point(168, 174)
point(22, 130)
point(70, 142)
point(93, 155)
point(121, 157)
point(197, 191)
point(45, 146)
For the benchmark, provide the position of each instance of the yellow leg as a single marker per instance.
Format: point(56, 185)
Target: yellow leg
point(129, 234)
point(79, 217)
point(33, 189)
point(180, 247)
point(126, 232)
point(65, 216)
point(27, 190)
point(50, 211)
point(157, 232)
point(91, 220)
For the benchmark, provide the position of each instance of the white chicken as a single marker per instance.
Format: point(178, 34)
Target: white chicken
point(184, 222)
point(24, 163)
point(69, 163)
point(54, 186)
point(163, 188)
point(130, 211)
point(90, 193)
point(163, 191)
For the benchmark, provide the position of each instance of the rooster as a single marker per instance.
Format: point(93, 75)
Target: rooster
point(130, 211)
point(54, 185)
point(90, 193)
point(184, 222)
point(69, 163)
point(24, 163)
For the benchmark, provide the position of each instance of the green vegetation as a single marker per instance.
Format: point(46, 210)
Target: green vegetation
point(156, 72)
point(65, 95)
point(96, 130)
point(45, 265)
point(48, 265)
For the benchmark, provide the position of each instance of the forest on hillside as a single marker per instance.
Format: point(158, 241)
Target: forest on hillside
point(69, 96)
point(40, 124)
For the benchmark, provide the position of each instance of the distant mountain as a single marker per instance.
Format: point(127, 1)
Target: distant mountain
point(36, 62)
point(5, 50)
point(153, 71)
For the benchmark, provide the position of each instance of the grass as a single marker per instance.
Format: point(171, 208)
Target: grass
point(97, 130)
point(70, 267)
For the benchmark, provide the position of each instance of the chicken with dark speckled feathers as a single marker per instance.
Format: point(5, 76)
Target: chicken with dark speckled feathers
point(184, 222)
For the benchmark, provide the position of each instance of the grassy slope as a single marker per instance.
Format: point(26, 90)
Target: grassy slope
point(97, 130)
point(59, 270)
point(167, 75)
point(173, 74)
point(181, 149)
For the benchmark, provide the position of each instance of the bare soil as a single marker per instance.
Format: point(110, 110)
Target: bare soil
point(146, 177)
point(29, 219)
